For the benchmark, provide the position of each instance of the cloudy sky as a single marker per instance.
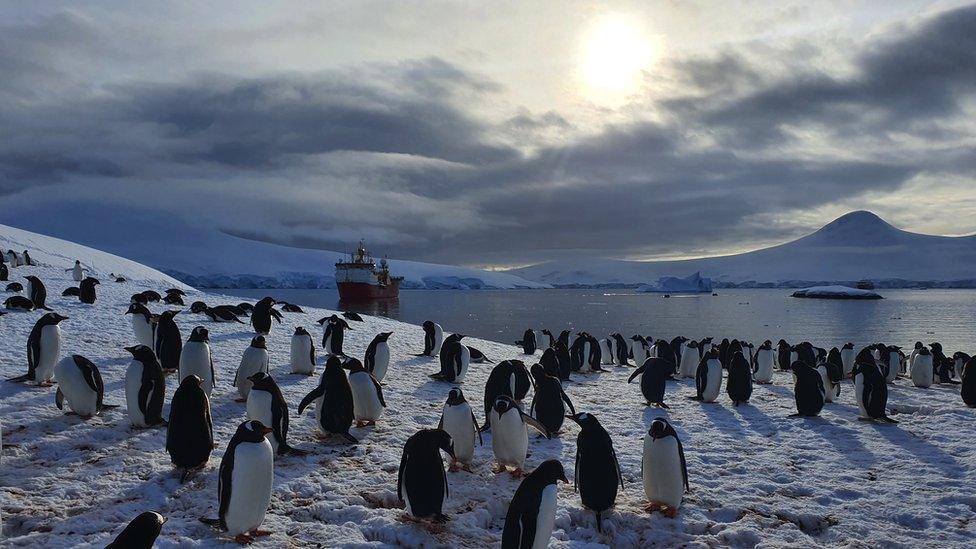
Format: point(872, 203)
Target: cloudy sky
point(487, 134)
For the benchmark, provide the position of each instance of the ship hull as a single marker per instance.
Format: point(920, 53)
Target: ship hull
point(361, 291)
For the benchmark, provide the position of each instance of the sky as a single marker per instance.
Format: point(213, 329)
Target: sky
point(486, 134)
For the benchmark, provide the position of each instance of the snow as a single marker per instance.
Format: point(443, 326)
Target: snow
point(836, 292)
point(690, 284)
point(757, 475)
point(859, 245)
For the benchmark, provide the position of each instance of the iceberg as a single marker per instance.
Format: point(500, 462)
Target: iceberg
point(836, 292)
point(693, 284)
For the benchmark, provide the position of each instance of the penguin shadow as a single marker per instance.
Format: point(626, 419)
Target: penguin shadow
point(415, 360)
point(846, 440)
point(926, 452)
point(232, 336)
point(722, 417)
point(653, 412)
point(285, 378)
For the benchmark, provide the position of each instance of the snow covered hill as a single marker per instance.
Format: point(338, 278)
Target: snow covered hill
point(757, 475)
point(858, 245)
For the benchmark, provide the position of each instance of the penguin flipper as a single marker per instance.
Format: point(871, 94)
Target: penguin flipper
point(529, 420)
point(349, 437)
point(637, 372)
point(684, 464)
point(311, 396)
point(474, 420)
point(59, 399)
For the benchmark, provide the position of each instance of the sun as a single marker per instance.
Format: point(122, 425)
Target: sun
point(614, 57)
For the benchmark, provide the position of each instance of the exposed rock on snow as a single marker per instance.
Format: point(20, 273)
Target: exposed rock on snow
point(836, 292)
point(670, 284)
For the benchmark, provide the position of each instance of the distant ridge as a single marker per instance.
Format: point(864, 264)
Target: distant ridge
point(855, 246)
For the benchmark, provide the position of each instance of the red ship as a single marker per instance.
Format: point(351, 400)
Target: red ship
point(360, 280)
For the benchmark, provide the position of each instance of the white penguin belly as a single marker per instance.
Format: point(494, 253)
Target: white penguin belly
point(689, 364)
point(714, 381)
point(365, 401)
point(847, 358)
point(142, 330)
point(546, 519)
point(80, 397)
point(133, 383)
point(859, 393)
point(605, 356)
point(381, 361)
point(438, 339)
point(828, 386)
point(259, 408)
point(254, 360)
point(458, 423)
point(319, 405)
point(301, 360)
point(195, 360)
point(922, 371)
point(251, 482)
point(50, 350)
point(509, 438)
point(764, 364)
point(661, 471)
point(327, 344)
point(893, 370)
point(465, 361)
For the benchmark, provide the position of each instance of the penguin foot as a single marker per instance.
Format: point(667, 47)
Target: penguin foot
point(499, 469)
point(663, 508)
point(518, 473)
point(240, 400)
point(454, 467)
point(243, 539)
point(259, 533)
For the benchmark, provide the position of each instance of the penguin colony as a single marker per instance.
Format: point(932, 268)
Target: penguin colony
point(349, 392)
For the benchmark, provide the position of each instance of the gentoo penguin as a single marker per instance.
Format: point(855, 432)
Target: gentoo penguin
point(663, 468)
point(175, 291)
point(245, 481)
point(708, 378)
point(138, 298)
point(454, 359)
point(549, 401)
point(4, 273)
point(564, 360)
point(784, 354)
point(145, 388)
point(255, 359)
point(141, 533)
point(37, 293)
point(941, 365)
point(198, 307)
point(509, 378)
point(592, 354)
point(528, 342)
point(333, 336)
point(546, 341)
point(377, 358)
point(922, 371)
point(266, 404)
point(640, 350)
point(246, 307)
point(217, 314)
point(173, 299)
point(152, 296)
point(197, 360)
point(654, 372)
point(832, 372)
point(291, 308)
point(27, 259)
point(808, 390)
point(870, 387)
point(86, 290)
point(891, 362)
point(43, 349)
point(959, 360)
point(597, 471)
point(302, 352)
point(71, 291)
point(847, 355)
point(333, 401)
point(15, 287)
point(606, 353)
point(723, 352)
point(968, 389)
point(688, 367)
point(80, 385)
point(142, 323)
point(510, 436)
point(549, 362)
point(261, 316)
point(367, 395)
point(433, 337)
point(577, 354)
point(804, 352)
point(457, 419)
point(421, 480)
point(351, 315)
point(168, 342)
point(531, 514)
point(739, 384)
point(663, 349)
point(189, 434)
point(679, 344)
point(478, 357)
point(764, 363)
point(19, 303)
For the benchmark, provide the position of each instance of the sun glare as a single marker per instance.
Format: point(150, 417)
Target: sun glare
point(615, 55)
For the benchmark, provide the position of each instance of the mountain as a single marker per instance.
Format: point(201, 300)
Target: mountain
point(858, 245)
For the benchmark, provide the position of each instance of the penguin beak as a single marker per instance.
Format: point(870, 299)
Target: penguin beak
point(574, 418)
point(266, 430)
point(131, 349)
point(563, 478)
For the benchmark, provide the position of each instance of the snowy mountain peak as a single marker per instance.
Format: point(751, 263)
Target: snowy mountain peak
point(858, 228)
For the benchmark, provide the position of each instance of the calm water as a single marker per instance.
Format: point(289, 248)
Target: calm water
point(903, 317)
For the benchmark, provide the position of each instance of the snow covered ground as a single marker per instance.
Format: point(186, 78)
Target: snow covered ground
point(757, 476)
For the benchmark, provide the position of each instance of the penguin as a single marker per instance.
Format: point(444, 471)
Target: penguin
point(654, 372)
point(510, 437)
point(333, 401)
point(663, 468)
point(922, 371)
point(261, 316)
point(941, 365)
point(723, 352)
point(142, 323)
point(679, 344)
point(763, 373)
point(597, 471)
point(433, 337)
point(606, 353)
point(527, 342)
point(37, 293)
point(255, 359)
point(809, 393)
point(891, 359)
point(576, 352)
point(457, 419)
point(549, 362)
point(245, 482)
point(804, 352)
point(333, 337)
point(291, 308)
point(4, 273)
point(43, 349)
point(739, 384)
point(564, 338)
point(139, 298)
point(549, 401)
point(175, 291)
point(639, 349)
point(688, 366)
point(911, 357)
point(141, 533)
point(168, 342)
point(18, 303)
point(663, 349)
point(784, 355)
point(509, 378)
point(592, 354)
point(221, 315)
point(454, 359)
point(421, 480)
point(80, 385)
point(189, 433)
point(847, 355)
point(564, 361)
point(145, 388)
point(377, 358)
point(302, 352)
point(352, 316)
point(197, 307)
point(367, 395)
point(197, 360)
point(546, 341)
point(968, 389)
point(27, 259)
point(531, 514)
point(152, 296)
point(959, 360)
point(15, 287)
point(870, 387)
point(86, 291)
point(71, 291)
point(832, 372)
point(708, 377)
point(478, 357)
point(266, 404)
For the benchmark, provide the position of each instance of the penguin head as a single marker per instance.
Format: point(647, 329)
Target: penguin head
point(50, 319)
point(90, 280)
point(353, 365)
point(261, 381)
point(453, 338)
point(383, 336)
point(455, 397)
point(252, 431)
point(442, 440)
point(660, 428)
point(865, 357)
point(924, 351)
point(199, 334)
point(919, 345)
point(538, 373)
point(267, 301)
point(428, 325)
point(550, 471)
point(142, 353)
point(192, 380)
point(503, 404)
point(169, 314)
point(259, 342)
point(585, 421)
point(176, 291)
point(936, 346)
point(198, 307)
point(299, 331)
